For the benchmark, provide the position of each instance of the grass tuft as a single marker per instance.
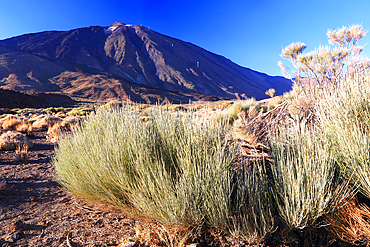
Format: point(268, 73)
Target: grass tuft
point(344, 115)
point(304, 177)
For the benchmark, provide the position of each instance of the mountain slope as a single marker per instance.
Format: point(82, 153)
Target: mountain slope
point(95, 61)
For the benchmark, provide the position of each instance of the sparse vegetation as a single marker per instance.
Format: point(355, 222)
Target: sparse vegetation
point(12, 140)
point(245, 171)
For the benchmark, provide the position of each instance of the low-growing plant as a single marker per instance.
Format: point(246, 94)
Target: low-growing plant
point(81, 111)
point(50, 110)
point(253, 214)
point(18, 124)
point(11, 122)
point(247, 104)
point(11, 140)
point(270, 92)
point(21, 153)
point(344, 115)
point(233, 111)
point(177, 170)
point(226, 104)
point(350, 223)
point(304, 170)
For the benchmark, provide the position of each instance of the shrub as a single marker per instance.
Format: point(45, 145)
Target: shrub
point(18, 124)
point(270, 92)
point(55, 130)
point(233, 112)
point(247, 104)
point(344, 114)
point(324, 66)
point(45, 122)
point(21, 153)
point(226, 104)
point(11, 122)
point(12, 140)
point(161, 167)
point(176, 170)
point(50, 110)
point(304, 184)
point(252, 218)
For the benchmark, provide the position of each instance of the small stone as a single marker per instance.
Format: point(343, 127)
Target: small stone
point(131, 244)
point(17, 235)
point(33, 199)
point(16, 226)
point(3, 186)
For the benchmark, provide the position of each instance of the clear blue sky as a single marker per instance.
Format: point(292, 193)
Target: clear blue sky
point(250, 33)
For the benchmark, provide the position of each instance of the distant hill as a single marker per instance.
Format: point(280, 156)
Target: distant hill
point(125, 62)
point(10, 99)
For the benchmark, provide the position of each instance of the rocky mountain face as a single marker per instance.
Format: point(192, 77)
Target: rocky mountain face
point(125, 62)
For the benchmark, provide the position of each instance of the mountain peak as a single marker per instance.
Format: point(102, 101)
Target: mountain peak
point(117, 24)
point(122, 62)
point(114, 27)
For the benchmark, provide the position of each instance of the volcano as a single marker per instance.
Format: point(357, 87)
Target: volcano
point(125, 62)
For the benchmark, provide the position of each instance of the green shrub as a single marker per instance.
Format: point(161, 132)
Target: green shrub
point(226, 104)
point(233, 112)
point(344, 115)
point(253, 215)
point(247, 104)
point(304, 177)
point(177, 170)
point(78, 112)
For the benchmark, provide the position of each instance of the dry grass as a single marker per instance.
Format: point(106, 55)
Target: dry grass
point(351, 223)
point(13, 123)
point(11, 140)
point(258, 125)
point(21, 153)
point(45, 122)
point(152, 234)
point(10, 123)
point(55, 130)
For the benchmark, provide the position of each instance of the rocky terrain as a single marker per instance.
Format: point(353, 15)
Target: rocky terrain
point(34, 208)
point(125, 62)
point(36, 211)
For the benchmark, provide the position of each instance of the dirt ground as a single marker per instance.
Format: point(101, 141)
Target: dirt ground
point(36, 211)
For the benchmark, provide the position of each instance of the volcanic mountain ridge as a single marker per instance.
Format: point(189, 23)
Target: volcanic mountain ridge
point(125, 62)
